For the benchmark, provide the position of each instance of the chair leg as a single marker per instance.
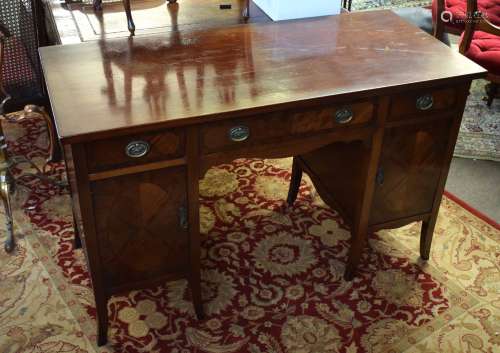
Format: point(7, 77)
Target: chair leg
point(77, 241)
point(294, 182)
point(97, 4)
point(6, 188)
point(491, 91)
point(246, 10)
point(54, 148)
point(130, 21)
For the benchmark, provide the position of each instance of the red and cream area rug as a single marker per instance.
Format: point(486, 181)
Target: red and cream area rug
point(272, 276)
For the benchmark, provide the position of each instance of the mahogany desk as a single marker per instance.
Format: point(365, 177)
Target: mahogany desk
point(369, 105)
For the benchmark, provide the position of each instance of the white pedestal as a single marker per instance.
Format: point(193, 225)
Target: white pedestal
point(291, 9)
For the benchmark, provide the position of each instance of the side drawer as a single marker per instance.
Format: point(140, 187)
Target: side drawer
point(421, 102)
point(132, 150)
point(279, 126)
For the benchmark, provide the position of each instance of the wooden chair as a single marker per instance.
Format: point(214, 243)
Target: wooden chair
point(7, 182)
point(128, 11)
point(130, 22)
point(450, 16)
point(480, 42)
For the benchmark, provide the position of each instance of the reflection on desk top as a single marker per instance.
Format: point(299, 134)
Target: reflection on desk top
point(144, 83)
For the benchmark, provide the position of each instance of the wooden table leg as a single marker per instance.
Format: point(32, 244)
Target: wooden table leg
point(427, 230)
point(426, 234)
point(82, 184)
point(194, 221)
point(294, 182)
point(101, 303)
point(77, 240)
point(359, 231)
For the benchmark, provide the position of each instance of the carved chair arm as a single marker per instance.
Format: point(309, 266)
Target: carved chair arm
point(476, 21)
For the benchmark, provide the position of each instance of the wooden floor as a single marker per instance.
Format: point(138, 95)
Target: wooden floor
point(77, 22)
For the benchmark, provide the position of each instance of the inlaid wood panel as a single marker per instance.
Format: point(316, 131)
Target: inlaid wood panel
point(110, 153)
point(141, 217)
point(409, 170)
point(215, 137)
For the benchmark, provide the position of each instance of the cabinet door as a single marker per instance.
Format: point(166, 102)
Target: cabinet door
point(140, 225)
point(409, 170)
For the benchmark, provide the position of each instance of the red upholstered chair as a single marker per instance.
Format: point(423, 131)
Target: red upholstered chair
point(456, 16)
point(480, 42)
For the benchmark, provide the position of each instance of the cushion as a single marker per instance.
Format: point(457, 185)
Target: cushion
point(485, 51)
point(458, 8)
point(420, 17)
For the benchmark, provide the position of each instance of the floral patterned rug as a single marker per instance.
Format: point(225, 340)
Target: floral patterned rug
point(272, 276)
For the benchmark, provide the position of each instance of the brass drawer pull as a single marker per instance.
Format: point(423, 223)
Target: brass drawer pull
point(425, 102)
point(344, 115)
point(239, 133)
point(137, 149)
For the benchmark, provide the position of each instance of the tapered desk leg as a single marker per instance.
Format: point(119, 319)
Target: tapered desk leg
point(428, 226)
point(359, 231)
point(81, 184)
point(77, 240)
point(102, 318)
point(194, 221)
point(426, 237)
point(294, 182)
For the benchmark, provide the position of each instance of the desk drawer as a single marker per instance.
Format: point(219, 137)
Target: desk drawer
point(135, 149)
point(421, 102)
point(279, 126)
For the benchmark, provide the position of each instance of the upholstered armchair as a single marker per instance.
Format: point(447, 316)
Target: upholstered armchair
point(480, 42)
point(450, 16)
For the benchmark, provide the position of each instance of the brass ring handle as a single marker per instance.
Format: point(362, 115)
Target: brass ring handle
point(425, 102)
point(137, 149)
point(344, 115)
point(239, 133)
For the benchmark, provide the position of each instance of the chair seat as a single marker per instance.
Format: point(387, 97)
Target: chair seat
point(458, 8)
point(485, 51)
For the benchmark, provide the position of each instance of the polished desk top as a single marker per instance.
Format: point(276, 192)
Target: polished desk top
point(142, 83)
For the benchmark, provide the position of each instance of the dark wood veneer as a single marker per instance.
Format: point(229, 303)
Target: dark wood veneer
point(139, 217)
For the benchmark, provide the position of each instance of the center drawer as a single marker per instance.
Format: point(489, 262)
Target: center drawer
point(279, 126)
